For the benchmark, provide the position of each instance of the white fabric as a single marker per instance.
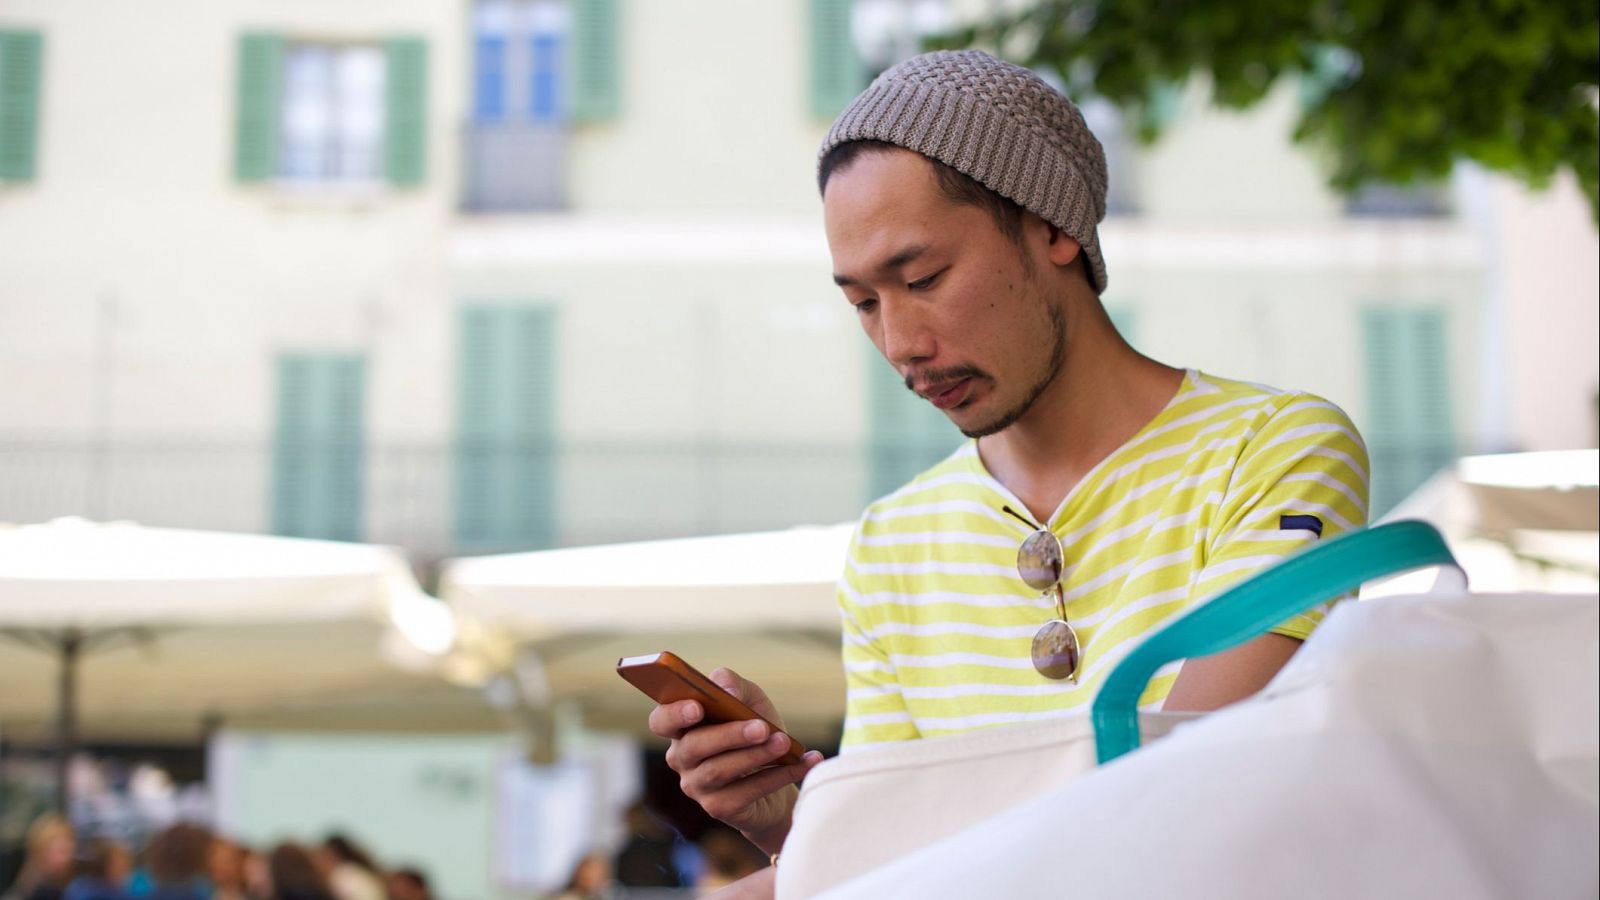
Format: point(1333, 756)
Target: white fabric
point(1429, 746)
point(777, 581)
point(79, 574)
point(869, 806)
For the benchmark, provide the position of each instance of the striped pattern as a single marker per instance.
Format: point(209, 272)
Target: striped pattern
point(938, 625)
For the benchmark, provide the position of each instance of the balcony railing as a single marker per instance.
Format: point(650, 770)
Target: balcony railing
point(597, 491)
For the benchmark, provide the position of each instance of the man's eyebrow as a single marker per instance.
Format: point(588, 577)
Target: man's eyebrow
point(894, 262)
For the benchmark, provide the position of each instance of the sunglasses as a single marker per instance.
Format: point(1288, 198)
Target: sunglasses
point(1040, 561)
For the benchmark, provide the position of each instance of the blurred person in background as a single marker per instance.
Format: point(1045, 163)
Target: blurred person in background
point(103, 872)
point(256, 873)
point(961, 200)
point(175, 863)
point(591, 880)
point(225, 865)
point(47, 863)
point(351, 873)
point(292, 874)
point(407, 884)
point(647, 859)
point(729, 857)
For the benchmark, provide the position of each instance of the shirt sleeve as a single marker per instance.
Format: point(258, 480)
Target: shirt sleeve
point(1303, 476)
point(875, 711)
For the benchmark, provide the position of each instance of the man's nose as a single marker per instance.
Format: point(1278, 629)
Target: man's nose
point(905, 335)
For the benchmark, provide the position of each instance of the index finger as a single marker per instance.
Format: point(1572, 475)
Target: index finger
point(671, 720)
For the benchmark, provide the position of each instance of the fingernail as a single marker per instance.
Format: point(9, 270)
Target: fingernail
point(778, 741)
point(812, 756)
point(755, 731)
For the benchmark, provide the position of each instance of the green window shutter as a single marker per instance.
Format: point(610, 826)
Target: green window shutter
point(505, 455)
point(406, 140)
point(595, 65)
point(1125, 319)
point(257, 113)
point(905, 433)
point(319, 447)
point(21, 60)
point(1410, 431)
point(837, 74)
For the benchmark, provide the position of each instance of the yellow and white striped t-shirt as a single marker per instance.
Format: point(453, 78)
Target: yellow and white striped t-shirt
point(938, 626)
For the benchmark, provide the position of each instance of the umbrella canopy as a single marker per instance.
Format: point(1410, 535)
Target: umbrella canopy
point(178, 627)
point(1516, 521)
point(760, 603)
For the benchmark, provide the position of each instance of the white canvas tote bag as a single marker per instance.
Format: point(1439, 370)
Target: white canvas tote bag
point(865, 809)
point(1440, 745)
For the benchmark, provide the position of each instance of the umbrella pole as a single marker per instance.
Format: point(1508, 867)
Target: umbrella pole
point(66, 712)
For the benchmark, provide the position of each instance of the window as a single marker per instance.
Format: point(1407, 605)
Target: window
point(323, 113)
point(519, 61)
point(1409, 428)
point(318, 450)
point(21, 55)
point(538, 67)
point(506, 428)
point(854, 41)
point(333, 112)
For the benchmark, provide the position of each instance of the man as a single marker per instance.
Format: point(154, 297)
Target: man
point(961, 196)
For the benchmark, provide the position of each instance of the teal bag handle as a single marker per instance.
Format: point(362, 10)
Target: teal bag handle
point(1252, 608)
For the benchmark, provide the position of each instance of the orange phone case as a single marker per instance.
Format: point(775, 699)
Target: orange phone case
point(666, 678)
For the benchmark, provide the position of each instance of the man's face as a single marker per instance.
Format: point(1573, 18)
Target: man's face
point(947, 297)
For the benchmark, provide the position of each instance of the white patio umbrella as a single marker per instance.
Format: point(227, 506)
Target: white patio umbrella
point(187, 625)
point(761, 603)
point(1516, 521)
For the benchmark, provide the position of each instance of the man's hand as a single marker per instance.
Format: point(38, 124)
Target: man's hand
point(728, 768)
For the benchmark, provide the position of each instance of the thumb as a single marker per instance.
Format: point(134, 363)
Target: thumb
point(729, 680)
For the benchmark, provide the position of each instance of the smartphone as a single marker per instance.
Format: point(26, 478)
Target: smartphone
point(666, 678)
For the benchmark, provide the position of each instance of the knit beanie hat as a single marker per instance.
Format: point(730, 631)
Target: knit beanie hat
point(996, 123)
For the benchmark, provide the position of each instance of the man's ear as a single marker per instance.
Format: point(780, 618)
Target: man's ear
point(1063, 249)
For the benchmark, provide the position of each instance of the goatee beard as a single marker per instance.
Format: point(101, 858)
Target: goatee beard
point(1058, 356)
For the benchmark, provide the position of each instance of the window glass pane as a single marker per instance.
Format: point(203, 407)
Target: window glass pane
point(545, 89)
point(489, 79)
point(361, 102)
point(308, 114)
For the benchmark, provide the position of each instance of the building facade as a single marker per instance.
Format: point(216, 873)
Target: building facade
point(480, 276)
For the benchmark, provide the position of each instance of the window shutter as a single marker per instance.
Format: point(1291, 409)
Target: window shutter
point(836, 70)
point(596, 79)
point(21, 59)
point(906, 434)
point(405, 143)
point(505, 459)
point(255, 154)
point(319, 447)
point(1409, 430)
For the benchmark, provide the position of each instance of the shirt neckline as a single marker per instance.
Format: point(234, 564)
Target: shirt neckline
point(1053, 521)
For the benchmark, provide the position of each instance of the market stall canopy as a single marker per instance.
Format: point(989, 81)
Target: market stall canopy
point(1516, 521)
point(178, 627)
point(760, 603)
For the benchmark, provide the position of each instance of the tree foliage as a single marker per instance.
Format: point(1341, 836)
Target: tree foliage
point(1393, 90)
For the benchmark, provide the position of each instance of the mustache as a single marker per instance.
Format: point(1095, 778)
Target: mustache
point(920, 382)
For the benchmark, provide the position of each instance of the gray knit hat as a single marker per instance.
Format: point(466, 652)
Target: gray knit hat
point(994, 122)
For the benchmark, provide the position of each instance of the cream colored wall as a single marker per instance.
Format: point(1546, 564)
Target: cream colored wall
point(1219, 165)
point(715, 114)
point(135, 201)
point(1551, 266)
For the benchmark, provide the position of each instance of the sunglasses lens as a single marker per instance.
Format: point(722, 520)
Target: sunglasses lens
point(1055, 651)
point(1039, 560)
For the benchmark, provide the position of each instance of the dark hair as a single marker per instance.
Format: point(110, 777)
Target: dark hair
point(347, 851)
point(955, 186)
point(177, 856)
point(294, 876)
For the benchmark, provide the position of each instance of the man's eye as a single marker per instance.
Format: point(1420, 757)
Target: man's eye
point(866, 306)
point(923, 284)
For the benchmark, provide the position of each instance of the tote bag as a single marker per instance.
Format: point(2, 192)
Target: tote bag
point(867, 808)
